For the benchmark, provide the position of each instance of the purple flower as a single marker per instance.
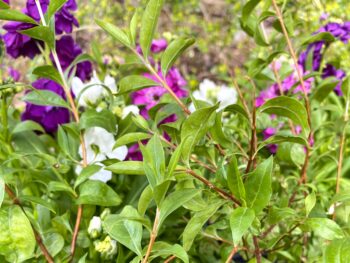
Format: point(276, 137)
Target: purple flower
point(67, 51)
point(267, 133)
point(151, 96)
point(6, 1)
point(159, 45)
point(316, 49)
point(49, 117)
point(17, 44)
point(331, 71)
point(134, 153)
point(64, 20)
point(14, 74)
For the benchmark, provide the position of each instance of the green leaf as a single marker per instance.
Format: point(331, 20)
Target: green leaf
point(149, 24)
point(287, 107)
point(131, 138)
point(196, 223)
point(134, 83)
point(174, 201)
point(174, 160)
point(235, 108)
point(337, 251)
point(127, 167)
point(86, 173)
point(322, 36)
point(133, 27)
point(247, 10)
point(54, 6)
point(258, 186)
point(127, 232)
point(162, 249)
point(45, 98)
point(324, 88)
point(14, 15)
point(38, 200)
point(310, 202)
point(17, 241)
point(240, 221)
point(54, 242)
point(218, 134)
point(48, 72)
point(115, 32)
point(173, 51)
point(324, 228)
point(154, 161)
point(28, 126)
point(60, 187)
point(103, 119)
point(2, 190)
point(97, 193)
point(194, 129)
point(277, 139)
point(66, 144)
point(234, 180)
point(4, 5)
point(43, 33)
point(145, 200)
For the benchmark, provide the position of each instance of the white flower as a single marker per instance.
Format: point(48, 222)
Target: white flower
point(212, 93)
point(97, 137)
point(130, 109)
point(92, 90)
point(95, 227)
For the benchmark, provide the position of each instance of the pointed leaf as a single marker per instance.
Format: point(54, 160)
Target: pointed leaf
point(115, 32)
point(149, 24)
point(234, 180)
point(127, 167)
point(134, 83)
point(240, 221)
point(45, 98)
point(48, 72)
point(14, 15)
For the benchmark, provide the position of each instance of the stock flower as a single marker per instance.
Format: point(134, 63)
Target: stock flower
point(212, 93)
point(67, 51)
point(50, 117)
point(92, 90)
point(18, 44)
point(150, 97)
point(64, 20)
point(104, 141)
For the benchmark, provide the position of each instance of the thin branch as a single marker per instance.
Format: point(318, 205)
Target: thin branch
point(153, 236)
point(170, 259)
point(257, 251)
point(221, 192)
point(77, 119)
point(233, 252)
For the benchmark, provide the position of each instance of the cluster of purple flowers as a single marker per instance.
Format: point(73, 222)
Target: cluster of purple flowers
point(150, 97)
point(313, 51)
point(18, 45)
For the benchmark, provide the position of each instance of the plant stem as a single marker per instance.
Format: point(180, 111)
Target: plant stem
point(153, 236)
point(303, 175)
point(233, 252)
point(257, 249)
point(170, 259)
point(77, 119)
point(221, 192)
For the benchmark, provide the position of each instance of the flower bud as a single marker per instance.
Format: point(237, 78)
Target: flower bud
point(106, 212)
point(95, 227)
point(107, 247)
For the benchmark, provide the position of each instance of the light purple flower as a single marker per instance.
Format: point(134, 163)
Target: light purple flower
point(150, 97)
point(14, 74)
point(159, 45)
point(49, 117)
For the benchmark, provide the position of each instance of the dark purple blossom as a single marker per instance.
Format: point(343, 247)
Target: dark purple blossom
point(49, 117)
point(67, 51)
point(6, 1)
point(64, 20)
point(134, 153)
point(267, 133)
point(17, 44)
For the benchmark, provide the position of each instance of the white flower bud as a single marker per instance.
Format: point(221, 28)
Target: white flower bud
point(95, 227)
